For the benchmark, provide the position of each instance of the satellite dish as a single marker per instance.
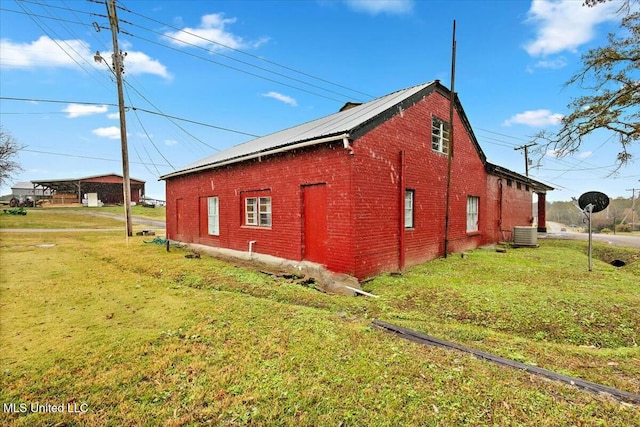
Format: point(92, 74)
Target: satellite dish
point(599, 200)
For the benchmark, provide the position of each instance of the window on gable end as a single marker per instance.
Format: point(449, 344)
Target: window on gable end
point(439, 135)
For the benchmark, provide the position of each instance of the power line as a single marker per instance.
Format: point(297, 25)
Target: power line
point(145, 150)
point(32, 15)
point(135, 108)
point(240, 70)
point(83, 157)
point(503, 134)
point(242, 52)
point(42, 27)
point(149, 138)
point(240, 61)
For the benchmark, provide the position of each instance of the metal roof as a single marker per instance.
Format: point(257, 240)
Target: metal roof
point(333, 127)
point(85, 178)
point(73, 184)
point(348, 123)
point(22, 186)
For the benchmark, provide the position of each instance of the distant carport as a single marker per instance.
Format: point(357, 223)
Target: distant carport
point(108, 187)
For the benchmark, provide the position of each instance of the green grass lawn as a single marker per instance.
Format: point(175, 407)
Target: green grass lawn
point(77, 217)
point(142, 336)
point(159, 212)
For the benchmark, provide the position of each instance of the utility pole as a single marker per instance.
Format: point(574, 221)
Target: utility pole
point(526, 155)
point(633, 205)
point(118, 69)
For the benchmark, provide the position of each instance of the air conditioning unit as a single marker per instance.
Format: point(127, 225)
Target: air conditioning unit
point(525, 236)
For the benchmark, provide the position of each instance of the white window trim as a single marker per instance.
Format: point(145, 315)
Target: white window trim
point(213, 215)
point(257, 211)
point(264, 211)
point(438, 129)
point(473, 213)
point(409, 208)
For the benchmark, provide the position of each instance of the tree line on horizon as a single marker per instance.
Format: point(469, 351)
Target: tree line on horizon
point(622, 215)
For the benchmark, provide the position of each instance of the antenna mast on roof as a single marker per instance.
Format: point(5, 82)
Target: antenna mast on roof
point(452, 98)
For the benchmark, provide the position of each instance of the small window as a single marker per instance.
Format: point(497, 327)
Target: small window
point(509, 182)
point(257, 211)
point(265, 211)
point(213, 215)
point(472, 213)
point(519, 185)
point(439, 135)
point(408, 208)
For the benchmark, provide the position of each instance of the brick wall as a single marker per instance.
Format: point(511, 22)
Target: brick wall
point(378, 193)
point(365, 193)
point(280, 177)
point(512, 206)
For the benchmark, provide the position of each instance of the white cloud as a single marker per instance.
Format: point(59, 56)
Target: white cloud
point(374, 7)
point(280, 97)
point(141, 63)
point(44, 52)
point(113, 116)
point(585, 154)
point(565, 24)
point(211, 34)
point(78, 110)
point(170, 142)
point(111, 132)
point(534, 118)
point(553, 64)
point(49, 53)
point(553, 153)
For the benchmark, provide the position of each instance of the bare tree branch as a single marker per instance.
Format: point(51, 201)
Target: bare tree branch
point(9, 148)
point(611, 75)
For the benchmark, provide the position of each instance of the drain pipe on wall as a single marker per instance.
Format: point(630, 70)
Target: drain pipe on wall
point(251, 243)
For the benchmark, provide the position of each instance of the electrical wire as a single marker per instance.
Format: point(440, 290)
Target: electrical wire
point(130, 107)
point(148, 137)
point(80, 156)
point(48, 31)
point(262, 59)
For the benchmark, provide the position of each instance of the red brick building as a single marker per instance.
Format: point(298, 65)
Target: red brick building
point(361, 191)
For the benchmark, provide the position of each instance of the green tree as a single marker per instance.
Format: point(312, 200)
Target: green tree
point(9, 148)
point(611, 78)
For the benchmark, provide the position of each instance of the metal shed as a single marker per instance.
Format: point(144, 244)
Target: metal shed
point(73, 190)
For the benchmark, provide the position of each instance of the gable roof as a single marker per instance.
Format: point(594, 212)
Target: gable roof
point(352, 121)
point(348, 123)
point(22, 186)
point(72, 184)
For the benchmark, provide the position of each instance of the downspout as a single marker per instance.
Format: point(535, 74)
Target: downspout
point(347, 144)
point(500, 200)
point(401, 249)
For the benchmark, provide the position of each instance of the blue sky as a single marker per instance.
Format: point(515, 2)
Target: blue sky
point(205, 75)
